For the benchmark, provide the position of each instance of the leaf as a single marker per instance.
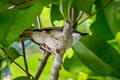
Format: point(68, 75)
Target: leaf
point(13, 53)
point(14, 22)
point(21, 78)
point(99, 56)
point(5, 68)
point(25, 5)
point(85, 5)
point(113, 21)
point(78, 5)
point(74, 65)
point(47, 2)
point(84, 27)
point(64, 75)
point(1, 55)
point(17, 1)
point(65, 7)
point(110, 13)
point(118, 41)
point(101, 25)
point(117, 10)
point(55, 14)
point(4, 4)
point(115, 44)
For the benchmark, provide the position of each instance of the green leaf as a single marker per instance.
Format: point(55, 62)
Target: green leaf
point(78, 5)
point(22, 78)
point(115, 44)
point(1, 55)
point(25, 5)
point(64, 75)
point(84, 27)
point(13, 53)
point(85, 5)
point(117, 10)
point(118, 41)
point(74, 65)
point(65, 7)
point(4, 4)
point(101, 26)
point(99, 56)
point(47, 2)
point(17, 1)
point(14, 22)
point(55, 14)
point(110, 13)
point(3, 64)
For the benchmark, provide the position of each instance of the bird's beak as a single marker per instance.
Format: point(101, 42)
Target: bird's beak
point(84, 34)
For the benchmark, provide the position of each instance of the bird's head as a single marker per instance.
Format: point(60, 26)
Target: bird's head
point(77, 35)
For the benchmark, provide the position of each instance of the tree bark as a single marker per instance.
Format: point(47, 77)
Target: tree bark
point(58, 57)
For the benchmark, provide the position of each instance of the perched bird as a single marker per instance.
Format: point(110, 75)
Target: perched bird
point(51, 39)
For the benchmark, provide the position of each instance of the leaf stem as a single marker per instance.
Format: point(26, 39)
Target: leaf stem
point(39, 22)
point(80, 16)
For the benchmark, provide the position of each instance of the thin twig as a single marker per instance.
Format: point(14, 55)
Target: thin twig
point(73, 17)
point(24, 57)
point(15, 62)
point(39, 22)
point(80, 16)
point(100, 9)
point(42, 65)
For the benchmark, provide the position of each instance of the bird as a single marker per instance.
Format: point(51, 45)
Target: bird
point(51, 39)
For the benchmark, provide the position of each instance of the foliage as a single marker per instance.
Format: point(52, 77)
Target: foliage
point(96, 55)
point(100, 56)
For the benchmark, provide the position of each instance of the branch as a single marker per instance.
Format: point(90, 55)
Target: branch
point(73, 15)
point(42, 65)
point(56, 67)
point(15, 62)
point(73, 23)
point(100, 9)
point(58, 57)
point(24, 57)
point(80, 16)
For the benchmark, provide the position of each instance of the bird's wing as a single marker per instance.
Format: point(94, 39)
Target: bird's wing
point(49, 29)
